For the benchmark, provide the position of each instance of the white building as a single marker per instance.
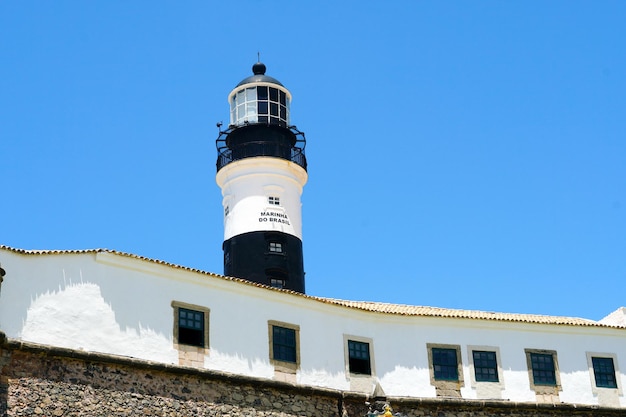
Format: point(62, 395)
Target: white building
point(121, 304)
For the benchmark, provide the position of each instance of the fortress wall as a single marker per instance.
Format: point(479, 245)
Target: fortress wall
point(38, 380)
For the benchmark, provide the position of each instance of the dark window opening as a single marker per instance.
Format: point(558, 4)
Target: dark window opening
point(284, 344)
point(359, 357)
point(543, 369)
point(604, 372)
point(273, 109)
point(485, 366)
point(273, 94)
point(261, 93)
point(445, 365)
point(190, 327)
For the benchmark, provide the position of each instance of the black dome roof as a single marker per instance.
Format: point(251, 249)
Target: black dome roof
point(258, 70)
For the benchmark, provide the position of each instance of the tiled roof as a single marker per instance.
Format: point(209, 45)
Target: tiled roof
point(408, 310)
point(374, 307)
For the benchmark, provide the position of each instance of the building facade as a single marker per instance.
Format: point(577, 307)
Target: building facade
point(123, 305)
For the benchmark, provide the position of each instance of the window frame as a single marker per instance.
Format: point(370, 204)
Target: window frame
point(346, 351)
point(592, 374)
point(472, 364)
point(542, 388)
point(282, 365)
point(446, 387)
point(176, 306)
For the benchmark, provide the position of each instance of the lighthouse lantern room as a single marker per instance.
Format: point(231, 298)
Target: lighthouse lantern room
point(261, 169)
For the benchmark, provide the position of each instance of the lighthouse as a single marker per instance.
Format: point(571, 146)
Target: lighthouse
point(261, 170)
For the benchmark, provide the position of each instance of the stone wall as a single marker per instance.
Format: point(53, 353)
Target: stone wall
point(38, 380)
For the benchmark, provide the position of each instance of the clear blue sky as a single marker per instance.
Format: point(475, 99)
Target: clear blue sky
point(461, 154)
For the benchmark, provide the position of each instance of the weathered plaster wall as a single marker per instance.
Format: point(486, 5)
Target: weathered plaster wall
point(119, 305)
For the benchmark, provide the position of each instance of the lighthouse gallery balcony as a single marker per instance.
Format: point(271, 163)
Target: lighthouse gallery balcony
point(260, 139)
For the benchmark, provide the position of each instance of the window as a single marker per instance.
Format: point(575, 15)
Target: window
point(276, 277)
point(445, 368)
point(284, 345)
point(274, 200)
point(243, 106)
point(254, 104)
point(445, 364)
point(359, 357)
point(543, 374)
point(543, 368)
point(191, 324)
point(190, 327)
point(485, 366)
point(277, 283)
point(604, 372)
point(485, 371)
point(359, 362)
point(278, 106)
point(275, 247)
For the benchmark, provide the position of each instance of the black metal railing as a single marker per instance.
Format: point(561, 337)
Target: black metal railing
point(295, 153)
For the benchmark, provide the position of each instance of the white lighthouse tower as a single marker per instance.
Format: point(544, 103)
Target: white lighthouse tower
point(261, 169)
